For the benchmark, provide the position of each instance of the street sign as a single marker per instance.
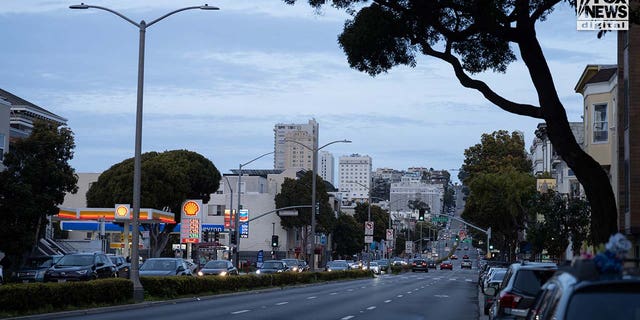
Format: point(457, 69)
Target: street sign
point(439, 219)
point(368, 239)
point(368, 228)
point(389, 234)
point(408, 247)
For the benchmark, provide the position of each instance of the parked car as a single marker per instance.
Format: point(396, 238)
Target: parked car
point(419, 265)
point(218, 268)
point(80, 267)
point(165, 267)
point(466, 256)
point(338, 265)
point(454, 257)
point(446, 264)
point(494, 282)
point(490, 274)
point(272, 266)
point(384, 265)
point(466, 263)
point(304, 266)
point(34, 268)
point(581, 292)
point(518, 289)
point(122, 266)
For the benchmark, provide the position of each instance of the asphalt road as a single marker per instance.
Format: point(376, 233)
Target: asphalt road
point(438, 294)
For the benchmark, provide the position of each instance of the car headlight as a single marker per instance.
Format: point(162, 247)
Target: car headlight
point(258, 271)
point(329, 269)
point(295, 269)
point(82, 272)
point(200, 273)
point(223, 273)
point(279, 270)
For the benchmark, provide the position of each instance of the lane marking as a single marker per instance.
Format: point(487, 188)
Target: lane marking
point(441, 296)
point(362, 287)
point(387, 301)
point(371, 308)
point(468, 280)
point(346, 318)
point(399, 296)
point(349, 289)
point(333, 293)
point(240, 311)
point(312, 297)
point(453, 279)
point(409, 292)
point(281, 303)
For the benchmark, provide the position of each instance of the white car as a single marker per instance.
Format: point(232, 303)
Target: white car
point(374, 267)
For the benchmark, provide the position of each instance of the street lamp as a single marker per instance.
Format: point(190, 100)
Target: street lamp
point(314, 169)
point(236, 222)
point(138, 290)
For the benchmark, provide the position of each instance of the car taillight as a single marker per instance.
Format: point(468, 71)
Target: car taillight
point(509, 300)
point(414, 263)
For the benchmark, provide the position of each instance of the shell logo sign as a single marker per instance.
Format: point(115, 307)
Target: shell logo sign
point(191, 208)
point(122, 211)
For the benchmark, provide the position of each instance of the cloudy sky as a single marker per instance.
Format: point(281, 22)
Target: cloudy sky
point(216, 82)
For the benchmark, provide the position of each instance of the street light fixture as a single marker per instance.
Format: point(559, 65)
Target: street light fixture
point(138, 290)
point(314, 170)
point(236, 222)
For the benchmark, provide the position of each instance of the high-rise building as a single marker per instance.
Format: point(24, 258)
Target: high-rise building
point(325, 166)
point(355, 178)
point(290, 154)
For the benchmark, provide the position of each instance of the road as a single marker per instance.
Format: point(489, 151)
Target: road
point(438, 294)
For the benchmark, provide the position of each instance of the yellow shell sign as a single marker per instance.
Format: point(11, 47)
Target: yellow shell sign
point(191, 208)
point(121, 211)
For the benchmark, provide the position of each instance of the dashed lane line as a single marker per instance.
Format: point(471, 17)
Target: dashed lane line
point(387, 301)
point(371, 308)
point(240, 311)
point(312, 297)
point(346, 318)
point(281, 303)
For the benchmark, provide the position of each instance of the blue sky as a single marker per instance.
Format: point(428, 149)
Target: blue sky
point(216, 82)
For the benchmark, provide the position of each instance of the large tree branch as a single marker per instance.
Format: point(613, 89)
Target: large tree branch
point(483, 88)
point(542, 9)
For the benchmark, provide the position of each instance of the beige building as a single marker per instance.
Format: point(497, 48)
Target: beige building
point(290, 154)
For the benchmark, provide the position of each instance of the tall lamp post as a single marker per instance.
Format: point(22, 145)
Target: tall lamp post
point(236, 222)
point(138, 290)
point(314, 207)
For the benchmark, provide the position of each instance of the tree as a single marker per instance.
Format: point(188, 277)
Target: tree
point(36, 179)
point(348, 236)
point(495, 153)
point(167, 180)
point(379, 217)
point(475, 37)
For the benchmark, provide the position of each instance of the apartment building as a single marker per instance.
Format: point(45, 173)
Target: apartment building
point(23, 113)
point(412, 187)
point(298, 154)
point(355, 178)
point(326, 166)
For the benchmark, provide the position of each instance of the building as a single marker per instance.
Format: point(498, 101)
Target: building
point(290, 154)
point(326, 166)
point(411, 187)
point(23, 113)
point(5, 111)
point(628, 135)
point(355, 178)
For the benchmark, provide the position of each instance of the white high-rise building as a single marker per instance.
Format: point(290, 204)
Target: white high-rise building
point(290, 154)
point(355, 178)
point(325, 166)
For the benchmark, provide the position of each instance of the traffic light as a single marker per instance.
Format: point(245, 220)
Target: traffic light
point(205, 236)
point(274, 241)
point(233, 237)
point(216, 236)
point(421, 214)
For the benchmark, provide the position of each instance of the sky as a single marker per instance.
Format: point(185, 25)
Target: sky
point(216, 82)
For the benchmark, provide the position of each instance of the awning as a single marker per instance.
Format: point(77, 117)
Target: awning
point(108, 214)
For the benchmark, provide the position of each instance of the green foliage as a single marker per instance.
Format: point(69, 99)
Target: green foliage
point(348, 235)
point(36, 179)
point(298, 192)
point(379, 217)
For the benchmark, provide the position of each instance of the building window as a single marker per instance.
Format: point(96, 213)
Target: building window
point(600, 125)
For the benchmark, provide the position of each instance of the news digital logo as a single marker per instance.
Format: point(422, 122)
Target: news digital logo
point(602, 14)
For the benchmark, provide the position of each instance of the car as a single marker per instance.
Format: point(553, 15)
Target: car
point(489, 275)
point(165, 267)
point(191, 265)
point(374, 267)
point(446, 264)
point(272, 266)
point(303, 266)
point(419, 265)
point(218, 268)
point(339, 265)
point(466, 263)
point(466, 256)
point(431, 264)
point(581, 292)
point(519, 288)
point(384, 265)
point(122, 266)
point(494, 282)
point(293, 265)
point(1, 275)
point(34, 268)
point(454, 257)
point(81, 267)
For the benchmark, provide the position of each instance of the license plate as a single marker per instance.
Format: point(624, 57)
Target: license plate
point(62, 280)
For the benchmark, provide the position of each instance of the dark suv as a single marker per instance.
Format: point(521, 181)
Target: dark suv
point(34, 268)
point(419, 265)
point(519, 288)
point(580, 292)
point(81, 266)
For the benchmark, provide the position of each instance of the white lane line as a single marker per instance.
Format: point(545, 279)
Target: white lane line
point(468, 280)
point(441, 296)
point(409, 292)
point(281, 303)
point(346, 318)
point(453, 279)
point(240, 311)
point(333, 293)
point(349, 289)
point(371, 308)
point(362, 287)
point(387, 301)
point(312, 297)
point(399, 296)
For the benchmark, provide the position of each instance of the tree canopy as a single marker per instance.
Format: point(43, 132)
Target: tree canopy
point(476, 36)
point(348, 236)
point(379, 217)
point(36, 179)
point(167, 180)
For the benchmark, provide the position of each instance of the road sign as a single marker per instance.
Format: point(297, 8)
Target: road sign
point(408, 247)
point(368, 228)
point(439, 219)
point(368, 239)
point(389, 234)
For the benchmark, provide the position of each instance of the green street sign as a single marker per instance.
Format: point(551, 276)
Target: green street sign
point(439, 219)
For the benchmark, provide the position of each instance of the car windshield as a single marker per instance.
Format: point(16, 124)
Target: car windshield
point(604, 305)
point(291, 262)
point(373, 264)
point(337, 264)
point(529, 281)
point(272, 265)
point(75, 260)
point(39, 262)
point(159, 265)
point(216, 265)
